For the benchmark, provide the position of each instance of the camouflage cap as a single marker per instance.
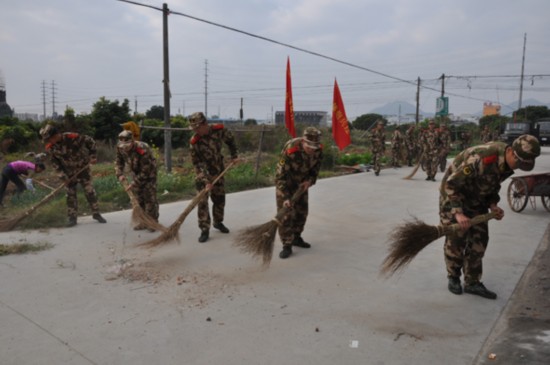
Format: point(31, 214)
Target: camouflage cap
point(312, 137)
point(47, 132)
point(380, 122)
point(526, 148)
point(125, 136)
point(196, 119)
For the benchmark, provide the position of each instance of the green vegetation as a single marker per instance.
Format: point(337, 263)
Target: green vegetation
point(21, 248)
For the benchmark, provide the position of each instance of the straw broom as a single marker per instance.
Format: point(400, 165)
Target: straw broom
point(139, 215)
point(259, 240)
point(408, 177)
point(172, 232)
point(8, 225)
point(410, 238)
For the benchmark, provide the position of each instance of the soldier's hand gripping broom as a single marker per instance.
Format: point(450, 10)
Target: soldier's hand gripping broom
point(172, 232)
point(139, 216)
point(258, 240)
point(407, 240)
point(408, 177)
point(9, 224)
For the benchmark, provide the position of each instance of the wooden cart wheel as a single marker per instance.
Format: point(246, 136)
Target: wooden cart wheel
point(546, 201)
point(518, 195)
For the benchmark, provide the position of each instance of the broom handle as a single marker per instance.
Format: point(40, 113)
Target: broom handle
point(282, 212)
point(130, 193)
point(454, 228)
point(415, 168)
point(200, 196)
point(54, 192)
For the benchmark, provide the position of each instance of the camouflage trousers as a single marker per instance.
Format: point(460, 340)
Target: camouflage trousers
point(293, 223)
point(464, 251)
point(411, 154)
point(217, 195)
point(431, 164)
point(85, 180)
point(395, 155)
point(376, 159)
point(146, 195)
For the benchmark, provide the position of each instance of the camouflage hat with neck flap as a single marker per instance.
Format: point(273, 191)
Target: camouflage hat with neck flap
point(312, 137)
point(196, 120)
point(526, 148)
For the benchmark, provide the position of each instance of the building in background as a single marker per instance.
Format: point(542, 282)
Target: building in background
point(310, 118)
point(491, 109)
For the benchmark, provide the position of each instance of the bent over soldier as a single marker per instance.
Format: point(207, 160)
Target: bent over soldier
point(471, 187)
point(207, 158)
point(139, 159)
point(69, 154)
point(378, 145)
point(297, 171)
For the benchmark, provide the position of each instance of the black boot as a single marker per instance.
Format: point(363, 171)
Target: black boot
point(99, 218)
point(479, 289)
point(454, 285)
point(286, 252)
point(221, 227)
point(204, 236)
point(72, 222)
point(299, 242)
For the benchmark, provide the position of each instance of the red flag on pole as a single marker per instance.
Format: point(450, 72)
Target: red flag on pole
point(340, 126)
point(289, 106)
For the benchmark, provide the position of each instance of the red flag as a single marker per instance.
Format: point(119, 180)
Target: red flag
point(289, 106)
point(340, 126)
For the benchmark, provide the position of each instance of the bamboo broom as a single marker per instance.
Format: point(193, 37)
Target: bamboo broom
point(139, 215)
point(259, 240)
point(408, 177)
point(8, 225)
point(410, 238)
point(172, 232)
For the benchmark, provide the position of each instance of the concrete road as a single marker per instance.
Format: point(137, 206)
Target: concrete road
point(97, 298)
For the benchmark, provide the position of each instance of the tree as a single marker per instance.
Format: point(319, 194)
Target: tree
point(107, 116)
point(532, 113)
point(494, 121)
point(366, 121)
point(155, 112)
point(250, 122)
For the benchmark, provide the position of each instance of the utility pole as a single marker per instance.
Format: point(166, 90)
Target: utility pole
point(417, 117)
point(54, 114)
point(442, 85)
point(241, 114)
point(206, 89)
point(167, 131)
point(522, 69)
point(44, 97)
point(135, 105)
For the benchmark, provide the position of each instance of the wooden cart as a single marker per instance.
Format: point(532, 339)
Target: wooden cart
point(527, 188)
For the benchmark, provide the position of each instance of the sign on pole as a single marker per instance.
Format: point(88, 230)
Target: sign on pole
point(442, 106)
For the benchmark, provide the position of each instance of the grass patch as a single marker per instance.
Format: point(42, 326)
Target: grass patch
point(21, 248)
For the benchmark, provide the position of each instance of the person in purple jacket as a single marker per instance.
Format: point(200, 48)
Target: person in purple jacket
point(12, 171)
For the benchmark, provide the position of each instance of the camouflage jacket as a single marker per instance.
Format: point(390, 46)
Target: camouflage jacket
point(378, 140)
point(296, 166)
point(472, 182)
point(430, 142)
point(140, 160)
point(486, 136)
point(206, 152)
point(445, 141)
point(410, 139)
point(397, 138)
point(72, 153)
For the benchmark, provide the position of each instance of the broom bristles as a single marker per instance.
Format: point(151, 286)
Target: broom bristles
point(408, 177)
point(258, 241)
point(407, 241)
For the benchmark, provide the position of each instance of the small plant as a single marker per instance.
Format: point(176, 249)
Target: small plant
point(21, 248)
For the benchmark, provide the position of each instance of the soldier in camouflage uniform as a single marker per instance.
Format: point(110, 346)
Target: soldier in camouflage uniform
point(70, 153)
point(207, 158)
point(139, 159)
point(430, 148)
point(396, 144)
point(444, 146)
point(378, 145)
point(410, 143)
point(298, 168)
point(486, 135)
point(471, 187)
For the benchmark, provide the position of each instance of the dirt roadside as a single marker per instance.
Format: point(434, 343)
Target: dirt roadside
point(522, 334)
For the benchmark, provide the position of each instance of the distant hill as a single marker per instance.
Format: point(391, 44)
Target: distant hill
point(392, 108)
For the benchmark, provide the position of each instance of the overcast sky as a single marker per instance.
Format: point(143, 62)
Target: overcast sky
point(94, 48)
